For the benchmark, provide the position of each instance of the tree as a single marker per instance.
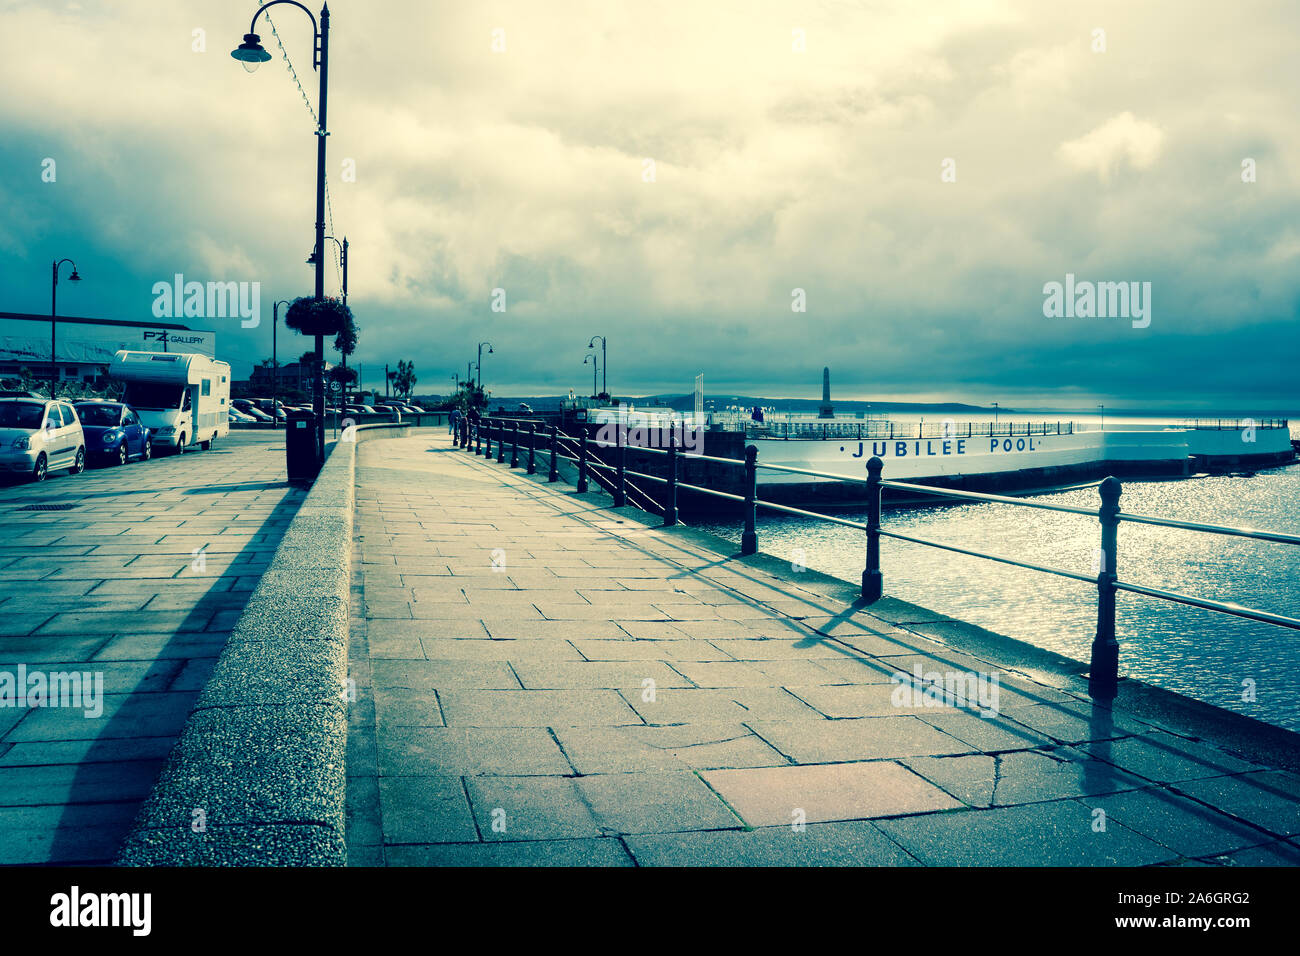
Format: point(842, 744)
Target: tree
point(404, 378)
point(343, 375)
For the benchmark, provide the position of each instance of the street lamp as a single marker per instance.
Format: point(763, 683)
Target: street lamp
point(1103, 416)
point(604, 362)
point(343, 257)
point(591, 357)
point(251, 55)
point(275, 362)
point(54, 298)
point(480, 362)
point(995, 413)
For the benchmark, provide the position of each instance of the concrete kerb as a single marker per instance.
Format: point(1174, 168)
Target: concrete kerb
point(257, 775)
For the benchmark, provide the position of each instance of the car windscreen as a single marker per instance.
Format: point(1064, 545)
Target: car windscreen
point(154, 396)
point(21, 415)
point(108, 415)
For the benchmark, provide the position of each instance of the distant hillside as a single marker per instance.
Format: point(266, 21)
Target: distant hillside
point(686, 403)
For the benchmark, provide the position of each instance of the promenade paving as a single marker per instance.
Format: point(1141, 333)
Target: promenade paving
point(139, 581)
point(542, 681)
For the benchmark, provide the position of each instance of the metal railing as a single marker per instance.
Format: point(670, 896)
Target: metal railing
point(1103, 671)
point(867, 430)
point(1233, 424)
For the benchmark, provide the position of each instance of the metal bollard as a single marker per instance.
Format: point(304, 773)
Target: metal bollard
point(501, 442)
point(873, 583)
point(749, 540)
point(532, 448)
point(478, 438)
point(582, 462)
point(514, 444)
point(620, 481)
point(670, 501)
point(1103, 672)
point(554, 474)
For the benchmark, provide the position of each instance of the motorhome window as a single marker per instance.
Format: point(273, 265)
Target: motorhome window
point(185, 404)
point(99, 414)
point(207, 386)
point(21, 415)
point(154, 396)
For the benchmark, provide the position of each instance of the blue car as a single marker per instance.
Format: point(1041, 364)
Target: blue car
point(114, 433)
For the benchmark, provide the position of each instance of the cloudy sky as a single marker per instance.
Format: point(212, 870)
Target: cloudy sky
point(795, 146)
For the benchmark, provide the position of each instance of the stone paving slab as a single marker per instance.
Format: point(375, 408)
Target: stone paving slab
point(544, 681)
point(111, 587)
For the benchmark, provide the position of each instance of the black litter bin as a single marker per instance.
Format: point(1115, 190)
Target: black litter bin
point(300, 448)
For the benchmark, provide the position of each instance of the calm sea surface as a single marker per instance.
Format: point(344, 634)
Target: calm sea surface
point(1210, 656)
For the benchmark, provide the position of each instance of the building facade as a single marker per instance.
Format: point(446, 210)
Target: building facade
point(84, 347)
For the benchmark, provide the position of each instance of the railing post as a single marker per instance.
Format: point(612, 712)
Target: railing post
point(620, 481)
point(486, 428)
point(582, 461)
point(501, 442)
point(1103, 673)
point(532, 448)
point(873, 582)
point(514, 444)
point(670, 499)
point(749, 539)
point(554, 474)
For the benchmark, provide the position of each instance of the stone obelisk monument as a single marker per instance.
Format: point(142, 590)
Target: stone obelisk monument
point(826, 410)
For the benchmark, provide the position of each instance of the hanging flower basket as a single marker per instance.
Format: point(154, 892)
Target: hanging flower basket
point(312, 316)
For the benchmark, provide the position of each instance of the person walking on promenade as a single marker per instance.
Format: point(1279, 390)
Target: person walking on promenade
point(452, 420)
point(472, 419)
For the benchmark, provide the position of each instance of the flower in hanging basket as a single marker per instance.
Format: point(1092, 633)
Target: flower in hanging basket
point(312, 316)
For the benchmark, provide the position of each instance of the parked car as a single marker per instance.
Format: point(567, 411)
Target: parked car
point(525, 408)
point(271, 408)
point(38, 436)
point(359, 409)
point(236, 415)
point(416, 409)
point(251, 410)
point(113, 432)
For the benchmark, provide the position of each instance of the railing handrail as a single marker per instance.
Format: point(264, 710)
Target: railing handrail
point(1277, 537)
point(1103, 672)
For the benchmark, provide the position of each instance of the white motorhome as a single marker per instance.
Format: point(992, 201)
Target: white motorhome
point(181, 397)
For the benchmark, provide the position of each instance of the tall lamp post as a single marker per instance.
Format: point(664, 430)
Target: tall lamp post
point(604, 362)
point(251, 55)
point(343, 257)
point(1102, 409)
point(480, 361)
point(275, 360)
point(591, 357)
point(54, 310)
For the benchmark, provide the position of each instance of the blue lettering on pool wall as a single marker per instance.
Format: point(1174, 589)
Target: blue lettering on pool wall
point(1011, 444)
point(902, 449)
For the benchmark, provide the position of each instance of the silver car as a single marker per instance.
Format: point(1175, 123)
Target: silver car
point(38, 436)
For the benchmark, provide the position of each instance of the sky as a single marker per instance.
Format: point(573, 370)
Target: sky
point(748, 190)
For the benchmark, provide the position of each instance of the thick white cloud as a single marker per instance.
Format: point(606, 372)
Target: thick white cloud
point(1123, 139)
point(775, 170)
